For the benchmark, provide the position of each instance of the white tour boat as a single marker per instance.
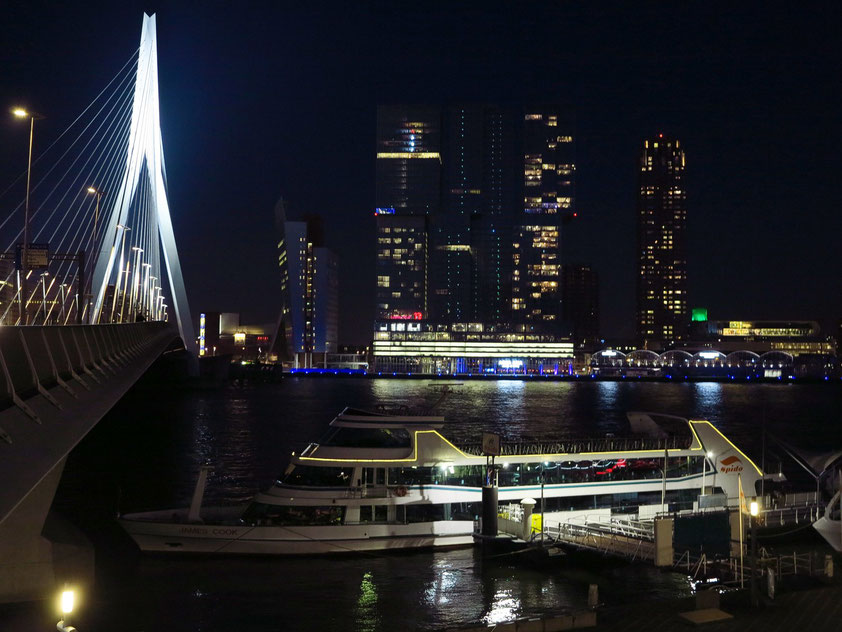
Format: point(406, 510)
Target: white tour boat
point(380, 481)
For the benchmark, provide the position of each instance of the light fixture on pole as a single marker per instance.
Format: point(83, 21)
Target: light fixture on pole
point(98, 193)
point(136, 282)
point(68, 599)
point(63, 299)
point(144, 303)
point(120, 269)
point(159, 299)
point(44, 276)
point(754, 511)
point(24, 263)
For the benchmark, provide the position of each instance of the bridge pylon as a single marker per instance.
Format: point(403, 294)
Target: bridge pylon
point(145, 149)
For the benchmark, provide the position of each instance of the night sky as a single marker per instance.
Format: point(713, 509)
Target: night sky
point(263, 99)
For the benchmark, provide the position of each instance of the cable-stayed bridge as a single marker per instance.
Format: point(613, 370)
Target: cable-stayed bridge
point(91, 294)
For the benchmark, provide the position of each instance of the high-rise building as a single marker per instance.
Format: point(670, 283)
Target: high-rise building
point(662, 315)
point(401, 266)
point(548, 200)
point(580, 302)
point(309, 289)
point(476, 196)
point(407, 194)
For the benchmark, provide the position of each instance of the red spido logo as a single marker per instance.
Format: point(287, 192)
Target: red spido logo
point(730, 464)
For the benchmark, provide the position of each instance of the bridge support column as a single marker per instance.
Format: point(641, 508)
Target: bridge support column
point(39, 551)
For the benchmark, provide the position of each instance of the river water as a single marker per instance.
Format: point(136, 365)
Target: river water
point(146, 453)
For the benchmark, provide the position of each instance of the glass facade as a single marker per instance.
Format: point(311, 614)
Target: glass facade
point(662, 311)
point(548, 200)
point(468, 348)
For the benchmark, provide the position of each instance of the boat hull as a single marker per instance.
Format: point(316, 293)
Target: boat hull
point(232, 539)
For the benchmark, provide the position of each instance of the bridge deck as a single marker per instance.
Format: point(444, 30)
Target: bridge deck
point(56, 383)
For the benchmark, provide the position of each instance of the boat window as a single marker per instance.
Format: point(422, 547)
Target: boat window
point(312, 476)
point(604, 470)
point(461, 475)
point(374, 513)
point(264, 514)
point(424, 513)
point(368, 438)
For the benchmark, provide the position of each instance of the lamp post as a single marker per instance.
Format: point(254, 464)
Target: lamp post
point(44, 276)
point(22, 113)
point(98, 193)
point(135, 282)
point(63, 307)
point(754, 510)
point(144, 303)
point(120, 270)
point(68, 597)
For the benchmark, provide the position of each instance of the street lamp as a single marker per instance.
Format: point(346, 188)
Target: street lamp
point(98, 193)
point(136, 282)
point(44, 276)
point(754, 510)
point(22, 113)
point(120, 270)
point(144, 303)
point(68, 597)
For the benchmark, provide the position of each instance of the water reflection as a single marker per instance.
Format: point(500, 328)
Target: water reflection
point(504, 607)
point(368, 617)
point(438, 591)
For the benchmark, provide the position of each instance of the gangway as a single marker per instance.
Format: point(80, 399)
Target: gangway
point(626, 538)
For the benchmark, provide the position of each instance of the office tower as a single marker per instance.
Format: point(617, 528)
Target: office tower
point(309, 288)
point(407, 193)
point(580, 302)
point(661, 240)
point(492, 186)
point(548, 200)
point(451, 264)
point(401, 266)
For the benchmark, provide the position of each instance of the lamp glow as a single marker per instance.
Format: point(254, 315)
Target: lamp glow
point(67, 599)
point(754, 508)
point(20, 112)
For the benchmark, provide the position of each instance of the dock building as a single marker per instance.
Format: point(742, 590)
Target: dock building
point(429, 348)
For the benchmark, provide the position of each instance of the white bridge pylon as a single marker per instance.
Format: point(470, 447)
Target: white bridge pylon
point(145, 148)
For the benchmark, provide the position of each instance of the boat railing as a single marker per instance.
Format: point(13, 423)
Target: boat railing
point(601, 444)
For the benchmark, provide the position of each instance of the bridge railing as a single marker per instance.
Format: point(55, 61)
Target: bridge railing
point(34, 360)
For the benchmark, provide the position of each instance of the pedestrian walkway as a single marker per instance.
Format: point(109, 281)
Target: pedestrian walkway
point(817, 609)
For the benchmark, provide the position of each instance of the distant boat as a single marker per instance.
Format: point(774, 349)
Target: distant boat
point(385, 481)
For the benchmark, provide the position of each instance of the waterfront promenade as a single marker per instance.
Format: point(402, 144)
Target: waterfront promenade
point(815, 609)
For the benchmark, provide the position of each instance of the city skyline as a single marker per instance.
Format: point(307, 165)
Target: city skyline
point(248, 107)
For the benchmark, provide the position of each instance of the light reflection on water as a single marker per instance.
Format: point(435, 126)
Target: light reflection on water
point(248, 432)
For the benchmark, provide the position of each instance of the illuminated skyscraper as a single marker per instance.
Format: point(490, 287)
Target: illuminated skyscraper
point(662, 315)
point(309, 290)
point(408, 192)
point(548, 200)
point(469, 204)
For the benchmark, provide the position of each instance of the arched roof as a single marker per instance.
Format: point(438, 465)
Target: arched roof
point(643, 357)
point(776, 358)
point(675, 357)
point(741, 358)
point(708, 357)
